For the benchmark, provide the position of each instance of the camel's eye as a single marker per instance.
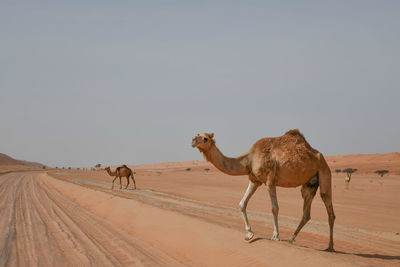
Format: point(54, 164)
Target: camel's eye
point(205, 139)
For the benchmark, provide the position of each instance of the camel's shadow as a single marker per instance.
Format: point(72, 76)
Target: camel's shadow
point(268, 239)
point(364, 255)
point(371, 256)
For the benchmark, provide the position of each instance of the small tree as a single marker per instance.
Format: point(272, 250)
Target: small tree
point(43, 167)
point(98, 165)
point(349, 172)
point(381, 172)
point(337, 170)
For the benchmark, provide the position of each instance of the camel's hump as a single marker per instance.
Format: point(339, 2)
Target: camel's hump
point(295, 132)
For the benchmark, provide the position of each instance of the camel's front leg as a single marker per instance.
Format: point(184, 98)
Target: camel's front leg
point(112, 187)
point(275, 210)
point(243, 205)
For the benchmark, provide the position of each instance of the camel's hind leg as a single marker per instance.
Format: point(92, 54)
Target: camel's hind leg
point(134, 183)
point(243, 205)
point(307, 192)
point(127, 178)
point(327, 198)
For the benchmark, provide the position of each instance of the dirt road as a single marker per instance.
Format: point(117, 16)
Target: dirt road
point(41, 227)
point(50, 222)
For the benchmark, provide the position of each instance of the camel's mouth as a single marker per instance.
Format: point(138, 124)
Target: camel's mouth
point(194, 143)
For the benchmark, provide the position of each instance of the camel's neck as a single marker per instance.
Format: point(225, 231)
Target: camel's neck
point(110, 172)
point(231, 166)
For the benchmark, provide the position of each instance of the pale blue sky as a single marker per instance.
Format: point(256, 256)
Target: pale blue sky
point(86, 82)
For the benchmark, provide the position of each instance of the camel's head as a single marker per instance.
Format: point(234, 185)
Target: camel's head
point(203, 141)
point(107, 168)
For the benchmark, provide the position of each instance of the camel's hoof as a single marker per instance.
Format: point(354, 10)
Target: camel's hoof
point(291, 240)
point(249, 235)
point(275, 237)
point(330, 249)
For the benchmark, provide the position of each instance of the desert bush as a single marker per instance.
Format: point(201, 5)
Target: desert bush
point(381, 172)
point(188, 169)
point(207, 169)
point(337, 170)
point(98, 165)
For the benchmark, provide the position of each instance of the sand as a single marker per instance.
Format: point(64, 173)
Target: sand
point(181, 217)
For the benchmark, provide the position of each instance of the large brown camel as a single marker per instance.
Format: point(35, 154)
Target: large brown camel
point(121, 171)
point(285, 161)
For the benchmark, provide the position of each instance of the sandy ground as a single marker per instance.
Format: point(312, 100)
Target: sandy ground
point(12, 168)
point(180, 217)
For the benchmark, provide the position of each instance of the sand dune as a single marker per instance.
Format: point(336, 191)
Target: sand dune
point(366, 163)
point(8, 164)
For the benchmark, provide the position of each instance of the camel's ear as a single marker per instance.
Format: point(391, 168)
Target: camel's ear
point(211, 135)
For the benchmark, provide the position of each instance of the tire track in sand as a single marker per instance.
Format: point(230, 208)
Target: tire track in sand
point(40, 227)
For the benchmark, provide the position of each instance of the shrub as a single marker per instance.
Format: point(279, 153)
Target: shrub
point(381, 172)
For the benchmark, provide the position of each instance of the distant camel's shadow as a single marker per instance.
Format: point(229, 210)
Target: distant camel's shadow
point(371, 256)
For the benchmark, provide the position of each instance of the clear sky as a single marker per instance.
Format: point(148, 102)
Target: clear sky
point(111, 82)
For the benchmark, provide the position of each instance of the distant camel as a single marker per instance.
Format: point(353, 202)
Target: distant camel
point(121, 171)
point(285, 161)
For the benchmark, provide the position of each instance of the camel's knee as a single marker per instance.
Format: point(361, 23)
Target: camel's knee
point(332, 216)
point(275, 210)
point(242, 206)
point(325, 197)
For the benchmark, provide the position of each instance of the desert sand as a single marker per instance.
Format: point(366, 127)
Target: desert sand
point(190, 217)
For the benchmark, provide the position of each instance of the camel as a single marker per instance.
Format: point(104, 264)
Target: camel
point(347, 181)
point(121, 171)
point(285, 161)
